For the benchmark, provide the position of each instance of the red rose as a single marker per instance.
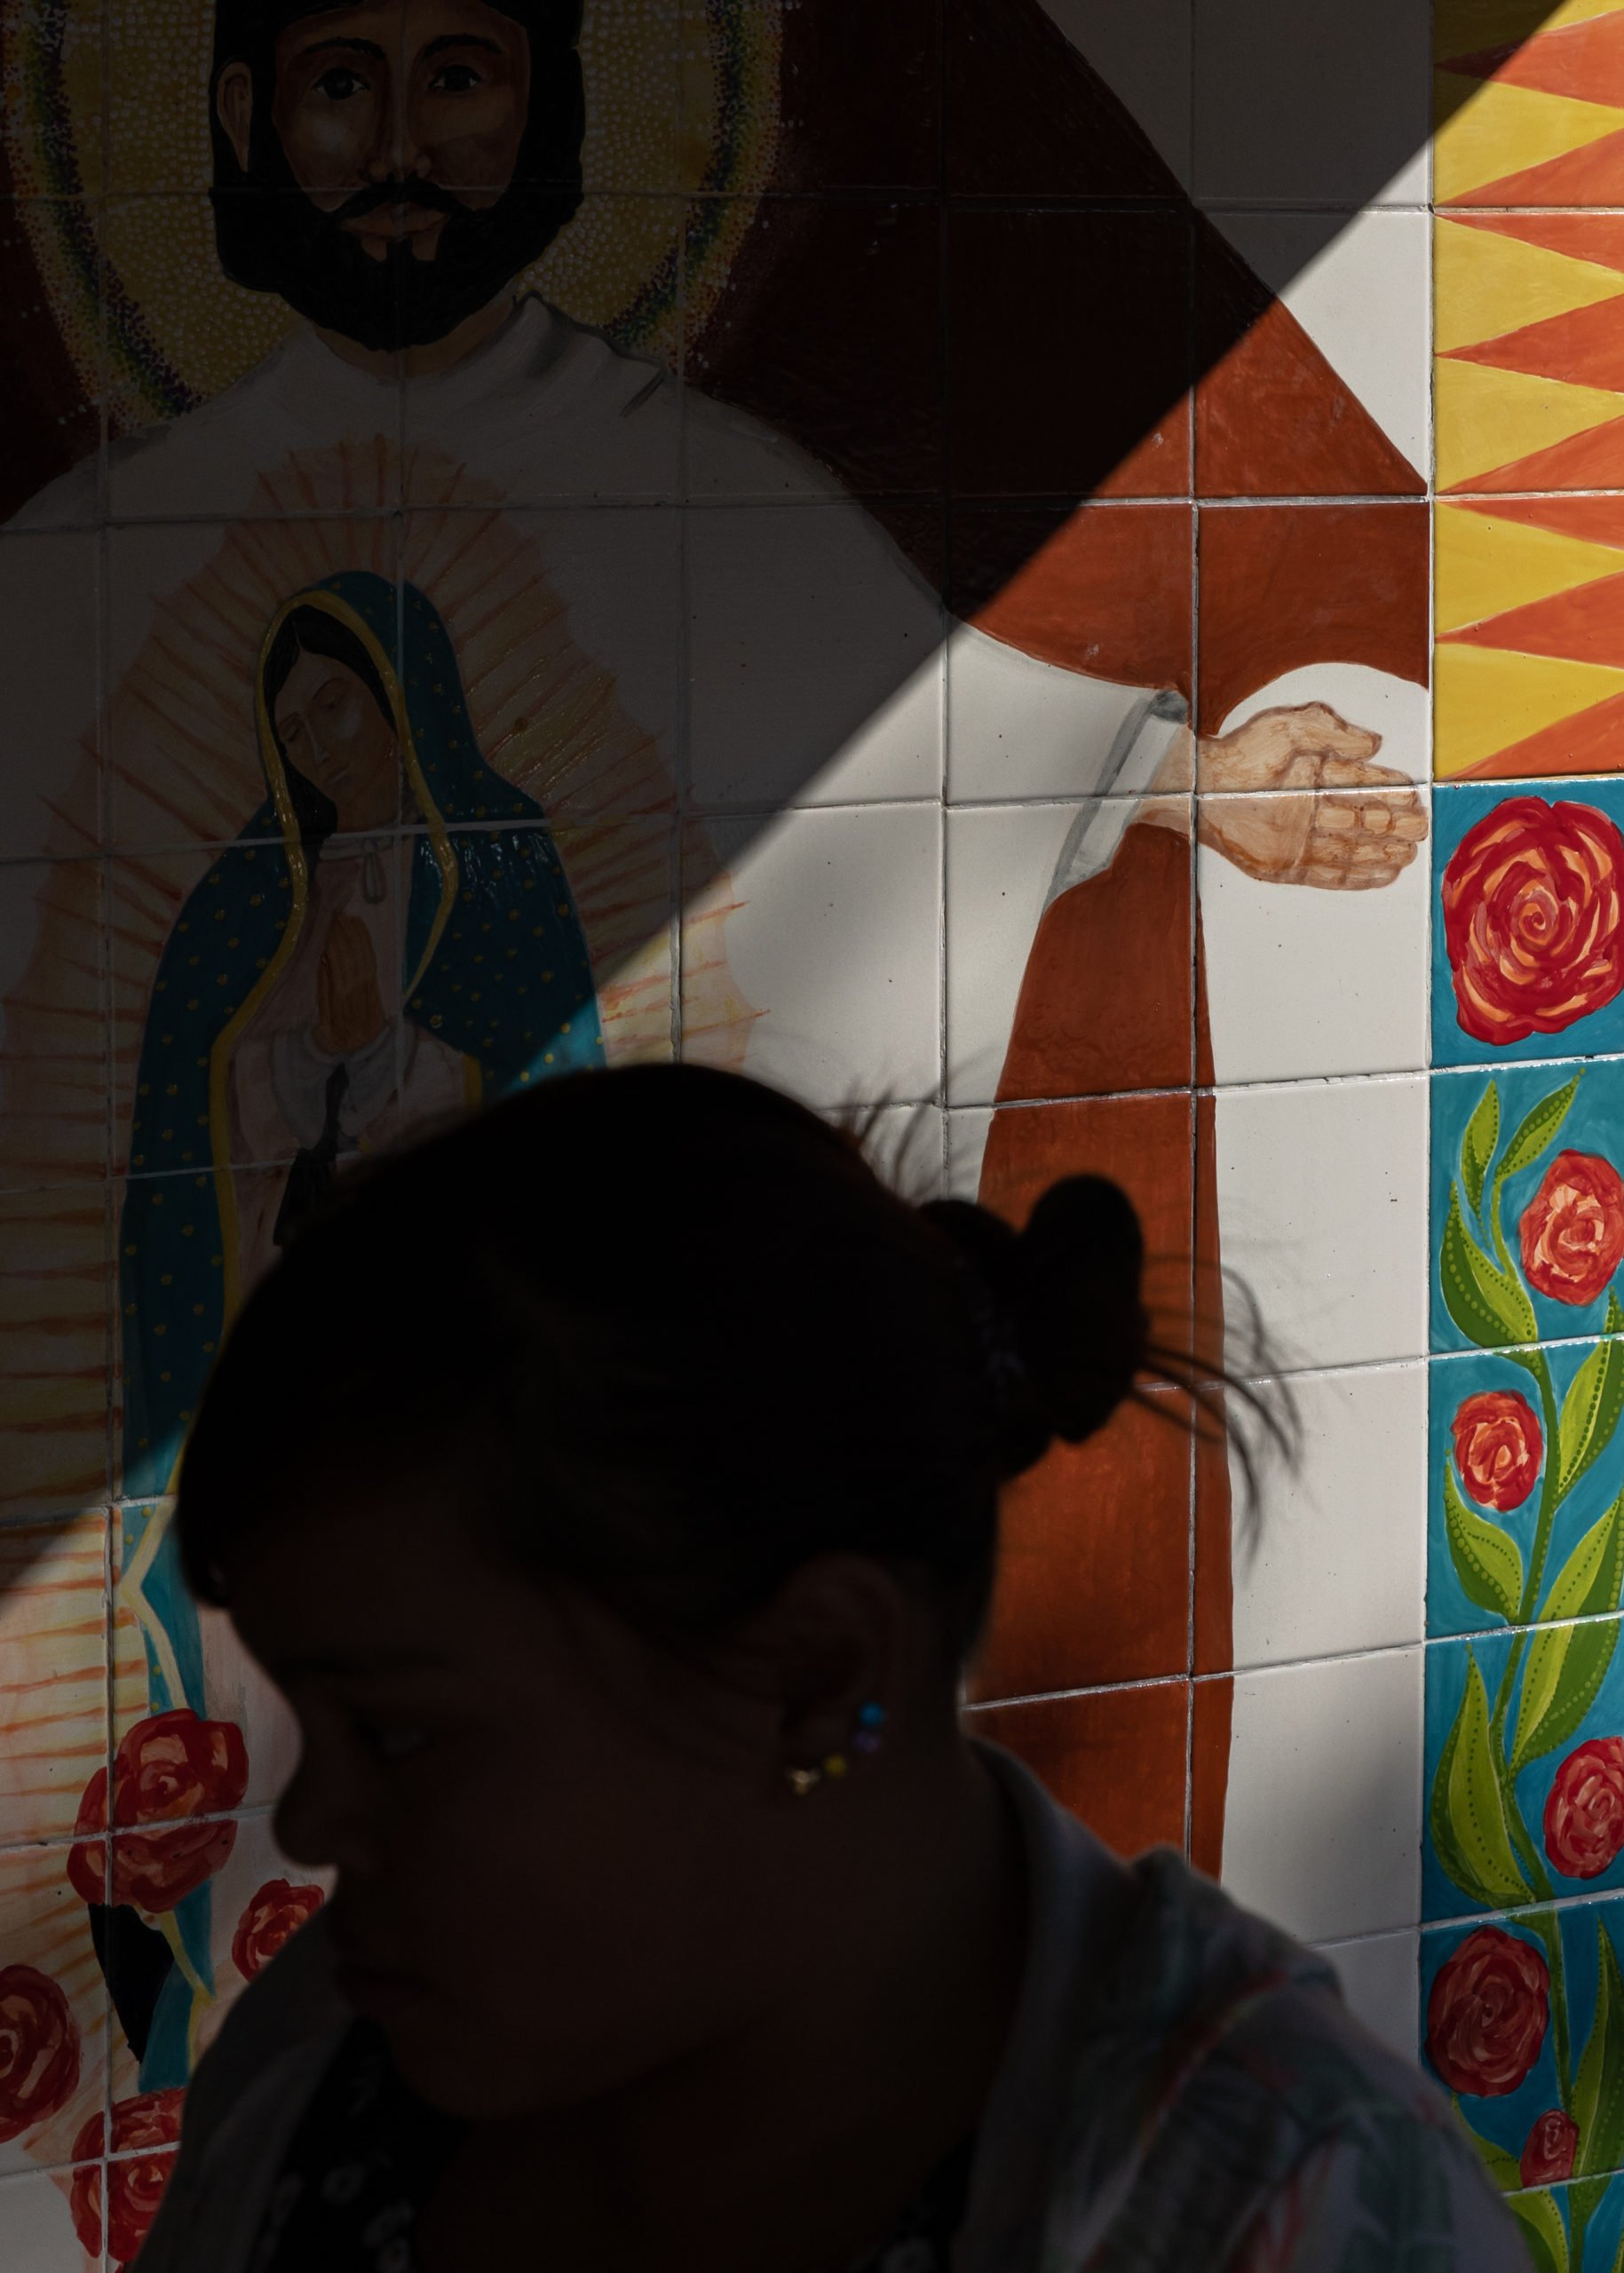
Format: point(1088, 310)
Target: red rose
point(1487, 2014)
point(39, 2049)
point(136, 2183)
point(1533, 918)
point(1498, 1448)
point(1573, 1229)
point(1584, 1816)
point(1547, 2158)
point(276, 1912)
point(172, 1765)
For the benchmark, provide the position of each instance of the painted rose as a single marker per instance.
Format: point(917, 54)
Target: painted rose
point(1584, 1816)
point(1497, 1448)
point(1533, 918)
point(1548, 2155)
point(39, 2049)
point(173, 1765)
point(135, 2183)
point(1573, 1229)
point(1487, 2014)
point(277, 1911)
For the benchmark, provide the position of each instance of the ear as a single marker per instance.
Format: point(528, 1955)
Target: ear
point(233, 103)
point(840, 1634)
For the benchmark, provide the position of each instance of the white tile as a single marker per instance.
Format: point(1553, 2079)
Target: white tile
point(1019, 727)
point(1322, 1826)
point(36, 2226)
point(1299, 105)
point(1335, 1557)
point(815, 654)
point(1303, 981)
point(1322, 1208)
point(1380, 1980)
point(832, 944)
point(1364, 298)
point(1396, 710)
point(1002, 862)
point(1142, 54)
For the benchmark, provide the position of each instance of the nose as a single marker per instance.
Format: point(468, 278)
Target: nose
point(399, 155)
point(321, 1820)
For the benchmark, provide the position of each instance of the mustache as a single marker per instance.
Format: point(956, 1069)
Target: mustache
point(428, 197)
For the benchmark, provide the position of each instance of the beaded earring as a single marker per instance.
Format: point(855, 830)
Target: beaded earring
point(866, 1740)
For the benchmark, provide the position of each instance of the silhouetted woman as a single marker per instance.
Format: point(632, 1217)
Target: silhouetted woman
point(611, 1486)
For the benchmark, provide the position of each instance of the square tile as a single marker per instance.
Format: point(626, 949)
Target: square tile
point(1529, 316)
point(840, 353)
point(50, 792)
point(1061, 108)
point(1327, 1855)
point(1048, 922)
point(1499, 1479)
point(1327, 977)
point(1526, 675)
point(191, 608)
point(810, 960)
point(1144, 60)
point(1522, 1167)
point(1526, 947)
point(55, 2005)
point(1322, 1212)
point(1510, 2010)
point(1118, 1758)
point(36, 2217)
point(53, 1023)
point(1527, 123)
point(836, 128)
point(1332, 1558)
point(1086, 1593)
point(1341, 349)
point(568, 633)
point(1522, 1742)
point(53, 1639)
point(1105, 593)
point(54, 1295)
point(1068, 422)
point(815, 656)
point(50, 276)
point(1262, 132)
point(1378, 1976)
point(1284, 586)
point(178, 334)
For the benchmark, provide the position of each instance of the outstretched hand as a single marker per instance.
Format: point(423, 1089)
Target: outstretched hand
point(1335, 820)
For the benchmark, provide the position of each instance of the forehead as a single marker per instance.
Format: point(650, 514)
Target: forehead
point(402, 26)
point(309, 673)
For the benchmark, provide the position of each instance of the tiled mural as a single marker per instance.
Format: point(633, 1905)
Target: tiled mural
point(966, 558)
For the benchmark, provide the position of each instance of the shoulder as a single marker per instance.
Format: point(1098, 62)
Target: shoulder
point(1222, 2090)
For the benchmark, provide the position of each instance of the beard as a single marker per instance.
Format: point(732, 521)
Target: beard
point(272, 237)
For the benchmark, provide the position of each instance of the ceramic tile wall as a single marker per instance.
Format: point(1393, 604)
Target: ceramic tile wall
point(942, 618)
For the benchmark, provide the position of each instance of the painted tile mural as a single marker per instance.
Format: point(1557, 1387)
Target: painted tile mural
point(711, 596)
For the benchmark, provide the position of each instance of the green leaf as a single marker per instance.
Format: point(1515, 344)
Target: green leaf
point(1591, 1408)
point(1542, 2229)
point(1489, 1305)
point(1537, 1132)
point(1567, 1664)
point(1477, 1145)
point(1487, 1560)
point(1469, 1833)
point(1503, 2168)
point(1598, 2088)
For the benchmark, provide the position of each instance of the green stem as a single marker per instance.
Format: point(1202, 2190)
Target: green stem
point(1533, 1362)
point(1545, 1924)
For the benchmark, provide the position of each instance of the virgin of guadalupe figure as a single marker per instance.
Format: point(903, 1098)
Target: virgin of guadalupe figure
point(391, 936)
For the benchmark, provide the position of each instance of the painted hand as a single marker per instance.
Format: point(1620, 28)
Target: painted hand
point(349, 1004)
point(1337, 820)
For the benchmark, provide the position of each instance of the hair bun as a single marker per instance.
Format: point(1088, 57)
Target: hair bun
point(1060, 1311)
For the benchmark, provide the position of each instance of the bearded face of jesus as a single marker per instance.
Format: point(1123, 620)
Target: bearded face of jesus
point(387, 168)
